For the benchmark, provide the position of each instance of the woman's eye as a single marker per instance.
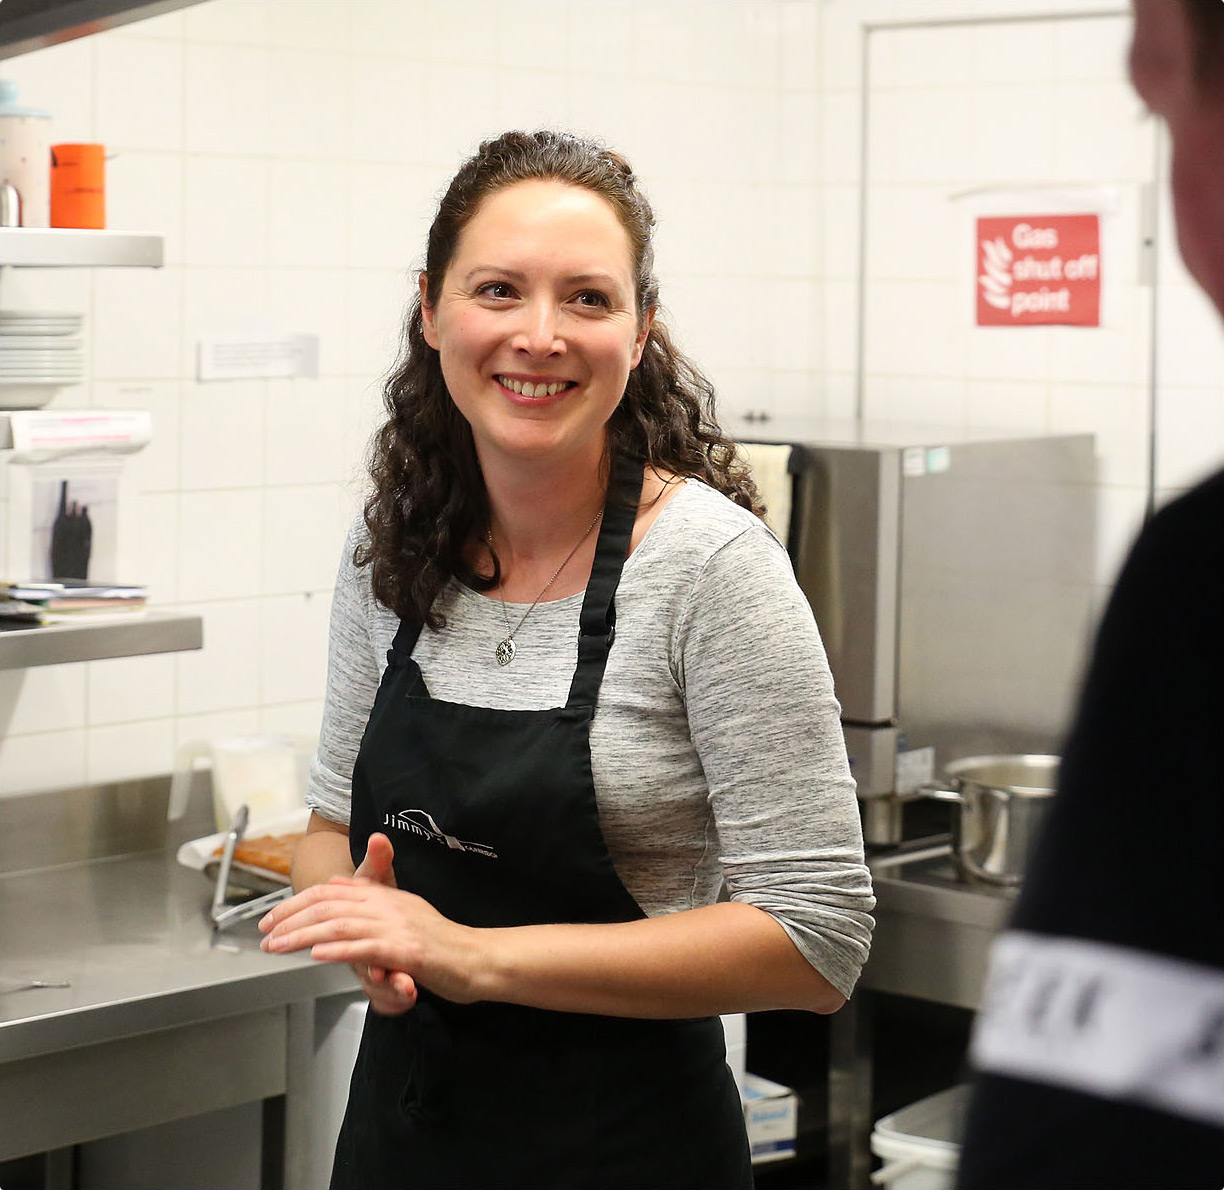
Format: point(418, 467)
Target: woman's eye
point(496, 289)
point(592, 299)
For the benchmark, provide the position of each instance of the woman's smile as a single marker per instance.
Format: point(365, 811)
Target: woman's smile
point(534, 390)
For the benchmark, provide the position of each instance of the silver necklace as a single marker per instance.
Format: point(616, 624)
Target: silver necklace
point(506, 648)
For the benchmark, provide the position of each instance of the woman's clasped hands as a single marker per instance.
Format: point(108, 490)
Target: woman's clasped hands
point(393, 940)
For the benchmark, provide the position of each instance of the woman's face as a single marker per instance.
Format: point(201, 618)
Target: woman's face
point(537, 324)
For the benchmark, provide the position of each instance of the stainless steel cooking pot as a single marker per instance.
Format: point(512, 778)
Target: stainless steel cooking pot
point(1003, 802)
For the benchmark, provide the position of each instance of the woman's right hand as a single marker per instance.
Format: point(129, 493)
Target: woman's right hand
point(391, 993)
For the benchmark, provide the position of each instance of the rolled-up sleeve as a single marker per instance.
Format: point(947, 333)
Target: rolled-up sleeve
point(353, 674)
point(766, 725)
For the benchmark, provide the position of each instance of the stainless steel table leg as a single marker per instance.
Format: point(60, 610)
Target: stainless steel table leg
point(299, 1092)
point(850, 1119)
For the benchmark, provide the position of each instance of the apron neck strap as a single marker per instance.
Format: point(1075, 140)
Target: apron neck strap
point(405, 640)
point(597, 621)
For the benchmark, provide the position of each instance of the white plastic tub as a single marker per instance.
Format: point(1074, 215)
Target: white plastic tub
point(920, 1144)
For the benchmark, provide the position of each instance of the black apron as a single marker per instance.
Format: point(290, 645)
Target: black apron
point(493, 818)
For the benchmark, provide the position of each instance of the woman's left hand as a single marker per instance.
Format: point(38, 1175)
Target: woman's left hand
point(350, 919)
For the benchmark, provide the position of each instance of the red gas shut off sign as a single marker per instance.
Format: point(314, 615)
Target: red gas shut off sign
point(1039, 270)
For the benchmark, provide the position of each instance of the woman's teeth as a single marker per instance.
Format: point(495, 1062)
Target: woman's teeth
point(528, 389)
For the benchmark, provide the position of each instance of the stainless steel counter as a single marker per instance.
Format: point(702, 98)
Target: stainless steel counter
point(161, 1019)
point(932, 931)
point(931, 941)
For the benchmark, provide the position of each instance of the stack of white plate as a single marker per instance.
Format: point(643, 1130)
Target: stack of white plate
point(40, 351)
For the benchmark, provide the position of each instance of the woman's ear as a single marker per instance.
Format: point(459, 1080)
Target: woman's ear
point(429, 326)
point(643, 333)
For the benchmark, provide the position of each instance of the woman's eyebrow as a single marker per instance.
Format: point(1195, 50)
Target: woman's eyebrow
point(605, 279)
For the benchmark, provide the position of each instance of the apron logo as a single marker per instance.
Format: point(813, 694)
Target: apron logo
point(417, 822)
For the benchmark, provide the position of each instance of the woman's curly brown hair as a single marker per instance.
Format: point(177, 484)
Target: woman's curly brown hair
point(429, 499)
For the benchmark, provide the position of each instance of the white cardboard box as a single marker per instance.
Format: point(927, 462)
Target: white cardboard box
point(771, 1113)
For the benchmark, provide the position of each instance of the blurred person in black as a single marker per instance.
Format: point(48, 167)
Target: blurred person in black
point(1099, 1049)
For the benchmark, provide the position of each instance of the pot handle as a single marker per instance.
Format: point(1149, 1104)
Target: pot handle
point(939, 792)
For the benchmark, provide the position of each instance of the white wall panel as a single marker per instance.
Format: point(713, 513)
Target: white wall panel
point(226, 97)
point(226, 210)
point(309, 113)
point(293, 647)
point(136, 323)
point(42, 699)
point(124, 118)
point(129, 751)
point(224, 675)
point(127, 689)
point(220, 543)
point(305, 421)
point(221, 434)
point(46, 760)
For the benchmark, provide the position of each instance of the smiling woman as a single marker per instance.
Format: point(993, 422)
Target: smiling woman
point(546, 750)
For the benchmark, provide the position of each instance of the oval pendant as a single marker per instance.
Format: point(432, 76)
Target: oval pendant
point(505, 651)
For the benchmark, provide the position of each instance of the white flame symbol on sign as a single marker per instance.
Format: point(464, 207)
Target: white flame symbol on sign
point(996, 278)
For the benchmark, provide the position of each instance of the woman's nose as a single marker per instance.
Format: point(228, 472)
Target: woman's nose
point(539, 331)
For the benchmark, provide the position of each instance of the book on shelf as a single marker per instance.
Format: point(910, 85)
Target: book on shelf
point(67, 600)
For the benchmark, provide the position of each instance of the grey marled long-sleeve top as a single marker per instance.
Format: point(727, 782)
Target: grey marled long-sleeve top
point(716, 747)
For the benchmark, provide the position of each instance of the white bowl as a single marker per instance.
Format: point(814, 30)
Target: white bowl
point(26, 396)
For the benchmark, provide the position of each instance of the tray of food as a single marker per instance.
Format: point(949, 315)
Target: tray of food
point(261, 858)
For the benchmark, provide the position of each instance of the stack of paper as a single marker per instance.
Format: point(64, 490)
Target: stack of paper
point(67, 600)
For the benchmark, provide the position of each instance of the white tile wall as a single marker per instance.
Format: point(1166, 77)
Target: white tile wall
point(137, 323)
point(291, 153)
point(292, 718)
point(49, 697)
point(127, 689)
point(158, 545)
point(293, 649)
point(224, 675)
point(42, 760)
point(220, 535)
point(309, 113)
point(128, 751)
point(225, 219)
point(124, 117)
point(308, 215)
point(295, 520)
point(1191, 436)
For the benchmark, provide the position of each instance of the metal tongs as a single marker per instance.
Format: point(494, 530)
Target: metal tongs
point(222, 915)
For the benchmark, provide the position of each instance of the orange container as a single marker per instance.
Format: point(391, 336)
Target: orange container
point(78, 186)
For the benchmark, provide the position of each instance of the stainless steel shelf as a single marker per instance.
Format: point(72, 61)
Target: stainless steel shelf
point(56, 644)
point(71, 247)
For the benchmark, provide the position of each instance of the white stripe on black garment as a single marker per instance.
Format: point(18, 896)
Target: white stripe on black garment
point(1106, 1020)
